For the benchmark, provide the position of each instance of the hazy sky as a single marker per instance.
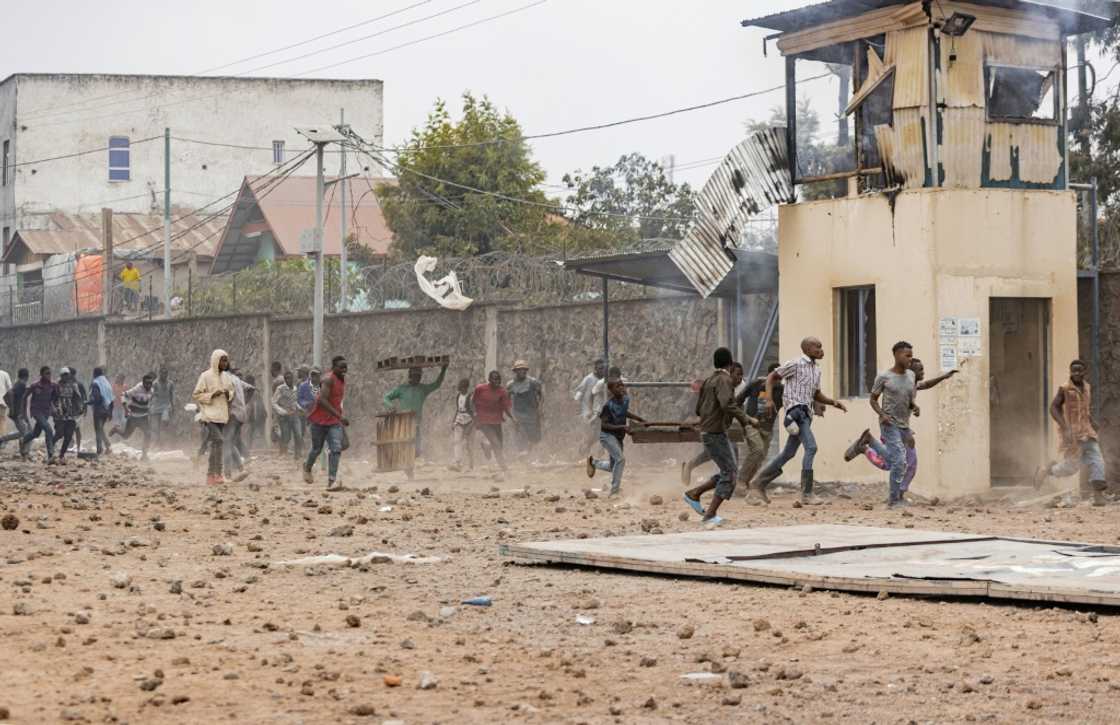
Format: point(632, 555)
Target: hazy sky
point(558, 65)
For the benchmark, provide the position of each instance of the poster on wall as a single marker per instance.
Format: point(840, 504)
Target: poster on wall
point(968, 341)
point(949, 327)
point(948, 357)
point(969, 327)
point(968, 347)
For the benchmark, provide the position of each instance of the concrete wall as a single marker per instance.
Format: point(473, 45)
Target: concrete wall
point(654, 339)
point(59, 113)
point(936, 253)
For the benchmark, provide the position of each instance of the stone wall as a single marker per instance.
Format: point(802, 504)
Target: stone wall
point(651, 339)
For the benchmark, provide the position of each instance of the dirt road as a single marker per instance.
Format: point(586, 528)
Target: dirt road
point(131, 593)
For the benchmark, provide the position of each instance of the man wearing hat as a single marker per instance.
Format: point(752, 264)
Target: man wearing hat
point(410, 397)
point(525, 393)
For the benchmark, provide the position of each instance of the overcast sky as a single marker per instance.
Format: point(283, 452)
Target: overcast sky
point(558, 65)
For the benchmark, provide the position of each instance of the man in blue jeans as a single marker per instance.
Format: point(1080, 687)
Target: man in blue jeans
point(614, 418)
point(717, 408)
point(801, 381)
point(41, 399)
point(892, 399)
point(327, 422)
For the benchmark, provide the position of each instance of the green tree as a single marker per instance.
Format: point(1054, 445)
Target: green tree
point(433, 217)
point(630, 201)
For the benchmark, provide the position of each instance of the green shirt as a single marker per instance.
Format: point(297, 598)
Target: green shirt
point(410, 398)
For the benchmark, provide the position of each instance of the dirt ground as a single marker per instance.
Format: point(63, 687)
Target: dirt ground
point(132, 593)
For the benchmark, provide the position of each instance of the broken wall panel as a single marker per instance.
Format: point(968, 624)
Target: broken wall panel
point(902, 148)
point(1034, 147)
point(990, 19)
point(962, 148)
point(908, 52)
point(1016, 50)
point(999, 147)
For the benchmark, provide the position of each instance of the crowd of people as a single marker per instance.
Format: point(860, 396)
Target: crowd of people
point(309, 406)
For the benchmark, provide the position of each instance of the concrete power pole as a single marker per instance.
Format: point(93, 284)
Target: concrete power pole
point(343, 302)
point(167, 223)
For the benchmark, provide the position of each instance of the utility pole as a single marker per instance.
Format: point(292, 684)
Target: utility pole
point(1082, 124)
point(343, 303)
point(167, 223)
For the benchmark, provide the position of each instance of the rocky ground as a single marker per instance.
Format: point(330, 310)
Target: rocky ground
point(131, 593)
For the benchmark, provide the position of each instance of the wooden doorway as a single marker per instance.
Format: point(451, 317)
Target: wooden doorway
point(1019, 341)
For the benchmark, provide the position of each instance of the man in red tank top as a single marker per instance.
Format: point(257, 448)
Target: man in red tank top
point(327, 421)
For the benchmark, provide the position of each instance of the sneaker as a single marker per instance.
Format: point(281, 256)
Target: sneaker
point(1040, 476)
point(307, 477)
point(758, 491)
point(811, 500)
point(240, 476)
point(615, 493)
point(713, 522)
point(214, 479)
point(590, 467)
point(859, 445)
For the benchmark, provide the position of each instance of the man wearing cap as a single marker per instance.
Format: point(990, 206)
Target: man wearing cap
point(525, 394)
point(410, 397)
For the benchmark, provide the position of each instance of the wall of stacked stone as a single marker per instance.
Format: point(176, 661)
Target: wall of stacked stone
point(651, 339)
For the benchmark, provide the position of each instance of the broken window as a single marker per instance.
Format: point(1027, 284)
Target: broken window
point(856, 341)
point(1021, 94)
point(873, 100)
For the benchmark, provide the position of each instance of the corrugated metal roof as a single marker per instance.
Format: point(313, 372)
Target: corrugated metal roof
point(1073, 16)
point(754, 272)
point(754, 176)
point(136, 235)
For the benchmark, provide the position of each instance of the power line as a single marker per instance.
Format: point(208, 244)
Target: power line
point(425, 38)
point(410, 23)
point(611, 124)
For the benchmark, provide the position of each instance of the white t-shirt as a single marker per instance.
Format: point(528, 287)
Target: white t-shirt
point(5, 386)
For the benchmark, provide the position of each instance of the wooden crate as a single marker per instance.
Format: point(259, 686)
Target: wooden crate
point(413, 361)
point(396, 441)
point(674, 433)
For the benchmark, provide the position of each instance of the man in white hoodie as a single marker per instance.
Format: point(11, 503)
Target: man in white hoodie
point(212, 393)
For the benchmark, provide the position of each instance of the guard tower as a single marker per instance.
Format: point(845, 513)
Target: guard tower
point(947, 222)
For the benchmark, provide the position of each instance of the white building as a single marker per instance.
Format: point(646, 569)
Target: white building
point(108, 131)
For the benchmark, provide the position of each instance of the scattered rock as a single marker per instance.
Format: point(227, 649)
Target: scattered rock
point(622, 626)
point(682, 516)
point(428, 681)
point(737, 680)
point(418, 616)
point(656, 500)
point(149, 684)
point(589, 603)
point(81, 618)
point(352, 620)
point(686, 632)
point(651, 526)
point(10, 522)
point(20, 609)
point(882, 595)
point(986, 679)
point(392, 680)
point(650, 704)
point(180, 699)
point(363, 710)
point(341, 531)
point(222, 550)
point(590, 495)
point(447, 612)
point(176, 587)
point(120, 580)
point(648, 662)
point(732, 700)
point(761, 625)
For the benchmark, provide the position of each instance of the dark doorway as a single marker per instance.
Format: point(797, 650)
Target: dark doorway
point(1019, 341)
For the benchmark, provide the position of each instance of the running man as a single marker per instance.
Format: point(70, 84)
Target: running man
point(410, 397)
point(327, 422)
point(1072, 410)
point(101, 407)
point(138, 406)
point(801, 380)
point(17, 408)
point(212, 394)
point(288, 414)
point(717, 409)
point(525, 394)
point(862, 445)
point(492, 406)
point(163, 402)
point(615, 418)
point(583, 394)
point(68, 408)
point(892, 399)
point(703, 456)
point(39, 403)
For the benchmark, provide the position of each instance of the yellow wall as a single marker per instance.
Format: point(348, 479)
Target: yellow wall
point(941, 253)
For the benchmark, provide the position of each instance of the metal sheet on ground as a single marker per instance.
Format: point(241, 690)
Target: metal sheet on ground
point(855, 558)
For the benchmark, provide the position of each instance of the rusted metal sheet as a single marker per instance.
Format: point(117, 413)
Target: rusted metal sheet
point(962, 148)
point(1035, 146)
point(754, 176)
point(961, 81)
point(902, 149)
point(908, 52)
point(1017, 50)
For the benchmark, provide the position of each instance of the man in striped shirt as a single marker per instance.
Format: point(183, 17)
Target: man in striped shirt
point(801, 380)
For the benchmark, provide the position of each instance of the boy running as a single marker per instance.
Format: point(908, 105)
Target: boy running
point(613, 417)
point(716, 408)
point(1072, 410)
